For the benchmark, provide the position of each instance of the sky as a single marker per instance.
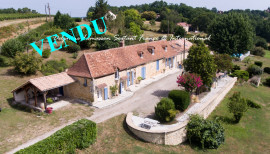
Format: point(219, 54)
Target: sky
point(78, 8)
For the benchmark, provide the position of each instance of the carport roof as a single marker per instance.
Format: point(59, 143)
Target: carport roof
point(49, 82)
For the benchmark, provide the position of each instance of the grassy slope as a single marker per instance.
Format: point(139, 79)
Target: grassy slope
point(251, 135)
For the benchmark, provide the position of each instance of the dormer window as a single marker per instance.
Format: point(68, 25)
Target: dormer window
point(151, 49)
point(140, 53)
point(116, 74)
point(164, 47)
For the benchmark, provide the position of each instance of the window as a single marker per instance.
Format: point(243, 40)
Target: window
point(85, 82)
point(165, 49)
point(116, 74)
point(157, 65)
point(153, 51)
point(141, 55)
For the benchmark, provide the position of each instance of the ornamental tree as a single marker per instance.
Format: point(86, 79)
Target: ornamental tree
point(189, 81)
point(201, 62)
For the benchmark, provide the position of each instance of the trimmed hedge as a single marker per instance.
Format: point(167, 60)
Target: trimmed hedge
point(267, 70)
point(254, 70)
point(258, 63)
point(165, 110)
point(240, 74)
point(79, 135)
point(180, 98)
point(267, 82)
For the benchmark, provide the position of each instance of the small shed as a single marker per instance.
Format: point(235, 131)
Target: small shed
point(35, 88)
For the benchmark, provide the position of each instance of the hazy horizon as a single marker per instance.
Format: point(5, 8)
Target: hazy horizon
point(79, 8)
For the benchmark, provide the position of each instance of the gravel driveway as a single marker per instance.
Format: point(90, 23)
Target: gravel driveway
point(142, 102)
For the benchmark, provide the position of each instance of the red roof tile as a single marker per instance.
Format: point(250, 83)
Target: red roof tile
point(102, 63)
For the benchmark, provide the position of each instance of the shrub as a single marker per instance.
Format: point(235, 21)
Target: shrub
point(165, 110)
point(189, 81)
point(53, 66)
point(258, 63)
point(49, 100)
point(205, 133)
point(180, 98)
point(78, 135)
point(152, 22)
point(27, 63)
point(254, 70)
point(252, 104)
point(4, 61)
point(236, 67)
point(267, 70)
point(75, 55)
point(46, 53)
point(267, 82)
point(114, 89)
point(240, 74)
point(73, 48)
point(11, 47)
point(258, 51)
point(78, 19)
point(237, 106)
point(53, 30)
point(261, 42)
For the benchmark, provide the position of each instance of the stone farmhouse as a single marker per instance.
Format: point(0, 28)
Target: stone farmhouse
point(91, 77)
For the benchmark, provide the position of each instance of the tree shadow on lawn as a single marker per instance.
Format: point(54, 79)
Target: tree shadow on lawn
point(225, 119)
point(18, 106)
point(161, 93)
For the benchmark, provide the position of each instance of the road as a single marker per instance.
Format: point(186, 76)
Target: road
point(16, 21)
point(142, 102)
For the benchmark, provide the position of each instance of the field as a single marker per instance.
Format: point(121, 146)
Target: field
point(19, 16)
point(251, 135)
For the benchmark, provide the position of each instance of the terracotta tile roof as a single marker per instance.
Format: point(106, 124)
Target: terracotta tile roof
point(100, 86)
point(102, 63)
point(49, 82)
point(183, 24)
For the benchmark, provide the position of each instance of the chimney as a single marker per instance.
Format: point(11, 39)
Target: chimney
point(122, 43)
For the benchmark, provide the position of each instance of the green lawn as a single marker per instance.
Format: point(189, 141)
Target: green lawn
point(267, 55)
point(251, 135)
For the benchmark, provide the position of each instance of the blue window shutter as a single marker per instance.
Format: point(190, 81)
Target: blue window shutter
point(166, 63)
point(157, 65)
point(128, 79)
point(105, 93)
point(132, 77)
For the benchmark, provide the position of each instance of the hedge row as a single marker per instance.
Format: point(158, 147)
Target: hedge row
point(19, 16)
point(78, 135)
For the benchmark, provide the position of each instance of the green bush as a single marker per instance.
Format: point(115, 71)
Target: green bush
point(27, 63)
point(152, 22)
point(240, 74)
point(75, 55)
point(165, 110)
point(77, 19)
point(254, 70)
point(252, 104)
point(49, 100)
point(258, 63)
point(267, 82)
point(180, 98)
point(53, 67)
point(72, 47)
point(236, 67)
point(205, 133)
point(258, 51)
point(267, 70)
point(78, 135)
point(11, 47)
point(46, 53)
point(53, 30)
point(261, 42)
point(4, 61)
point(237, 106)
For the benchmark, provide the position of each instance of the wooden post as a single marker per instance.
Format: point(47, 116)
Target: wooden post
point(35, 93)
point(45, 100)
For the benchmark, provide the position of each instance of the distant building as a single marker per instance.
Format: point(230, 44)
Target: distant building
point(110, 16)
point(220, 12)
point(185, 25)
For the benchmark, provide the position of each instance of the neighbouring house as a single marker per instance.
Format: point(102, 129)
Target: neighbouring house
point(185, 25)
point(91, 77)
point(110, 16)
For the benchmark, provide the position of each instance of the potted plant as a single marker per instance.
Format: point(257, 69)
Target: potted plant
point(49, 100)
point(114, 90)
point(139, 79)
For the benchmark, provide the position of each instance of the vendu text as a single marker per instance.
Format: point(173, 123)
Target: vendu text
point(65, 36)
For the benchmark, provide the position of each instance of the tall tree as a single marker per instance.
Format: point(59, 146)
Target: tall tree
point(101, 8)
point(56, 18)
point(231, 34)
point(201, 62)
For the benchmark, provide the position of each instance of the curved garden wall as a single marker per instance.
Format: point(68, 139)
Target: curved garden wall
point(176, 133)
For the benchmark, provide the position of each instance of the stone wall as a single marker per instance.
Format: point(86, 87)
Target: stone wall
point(176, 135)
